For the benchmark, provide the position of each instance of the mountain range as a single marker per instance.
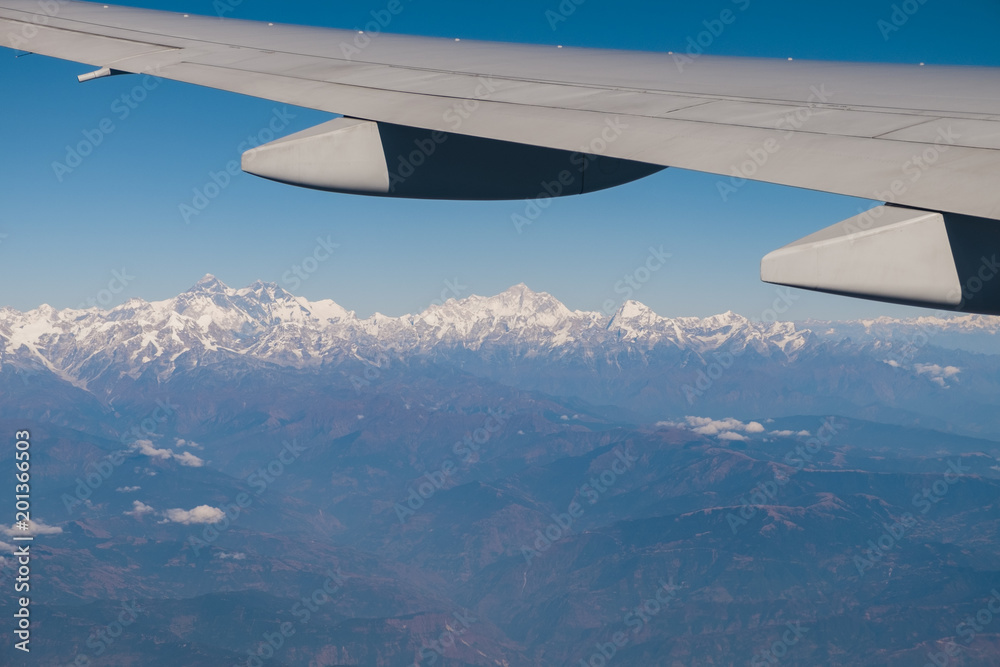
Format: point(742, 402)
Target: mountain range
point(251, 478)
point(635, 361)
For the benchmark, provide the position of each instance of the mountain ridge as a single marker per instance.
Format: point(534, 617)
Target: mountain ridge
point(519, 337)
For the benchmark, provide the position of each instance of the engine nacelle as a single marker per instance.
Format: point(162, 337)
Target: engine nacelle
point(898, 255)
point(364, 157)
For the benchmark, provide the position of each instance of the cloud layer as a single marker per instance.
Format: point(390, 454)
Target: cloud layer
point(203, 514)
point(729, 429)
point(937, 374)
point(147, 448)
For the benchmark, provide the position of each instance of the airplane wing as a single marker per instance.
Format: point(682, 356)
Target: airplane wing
point(458, 119)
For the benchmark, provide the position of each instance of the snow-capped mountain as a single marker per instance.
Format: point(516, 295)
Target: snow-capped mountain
point(635, 360)
point(976, 333)
point(266, 323)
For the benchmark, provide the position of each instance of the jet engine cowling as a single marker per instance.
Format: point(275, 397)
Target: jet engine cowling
point(356, 156)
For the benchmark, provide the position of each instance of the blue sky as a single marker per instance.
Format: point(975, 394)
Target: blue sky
point(63, 240)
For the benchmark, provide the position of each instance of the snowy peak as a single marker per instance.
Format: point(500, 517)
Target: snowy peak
point(634, 319)
point(638, 324)
point(633, 310)
point(517, 314)
point(266, 292)
point(212, 322)
point(727, 319)
point(524, 298)
point(209, 285)
point(518, 302)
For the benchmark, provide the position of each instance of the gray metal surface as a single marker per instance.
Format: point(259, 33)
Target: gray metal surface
point(898, 255)
point(926, 137)
point(384, 160)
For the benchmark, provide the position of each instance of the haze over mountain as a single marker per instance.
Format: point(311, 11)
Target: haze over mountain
point(502, 481)
point(635, 360)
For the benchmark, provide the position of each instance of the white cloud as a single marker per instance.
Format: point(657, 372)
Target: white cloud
point(201, 514)
point(35, 527)
point(237, 556)
point(188, 443)
point(788, 434)
point(730, 435)
point(6, 547)
point(128, 489)
point(188, 459)
point(139, 509)
point(707, 426)
point(717, 427)
point(937, 374)
point(893, 363)
point(146, 448)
